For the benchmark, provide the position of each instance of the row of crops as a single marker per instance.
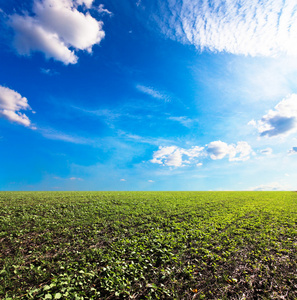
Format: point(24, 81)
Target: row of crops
point(148, 245)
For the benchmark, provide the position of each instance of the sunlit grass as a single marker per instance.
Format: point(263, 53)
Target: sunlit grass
point(148, 245)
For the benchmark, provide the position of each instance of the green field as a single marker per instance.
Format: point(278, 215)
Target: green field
point(148, 245)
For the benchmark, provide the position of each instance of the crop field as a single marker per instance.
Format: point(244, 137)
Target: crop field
point(148, 245)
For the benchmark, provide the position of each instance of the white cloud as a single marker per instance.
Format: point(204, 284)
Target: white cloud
point(145, 140)
point(87, 3)
point(174, 159)
point(280, 121)
point(11, 103)
point(173, 156)
point(218, 150)
point(192, 152)
point(106, 113)
point(163, 152)
point(48, 72)
point(71, 178)
point(151, 181)
point(123, 180)
point(239, 152)
point(152, 92)
point(61, 136)
point(265, 28)
point(56, 27)
point(267, 151)
point(273, 186)
point(183, 120)
point(103, 10)
point(293, 150)
point(76, 178)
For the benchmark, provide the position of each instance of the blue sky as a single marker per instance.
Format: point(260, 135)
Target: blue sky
point(148, 95)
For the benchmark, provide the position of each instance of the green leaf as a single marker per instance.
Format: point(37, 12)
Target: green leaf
point(3, 271)
point(58, 295)
point(48, 296)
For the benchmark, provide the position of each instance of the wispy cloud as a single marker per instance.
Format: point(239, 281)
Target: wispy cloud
point(107, 115)
point(185, 121)
point(144, 140)
point(103, 10)
point(61, 136)
point(152, 92)
point(267, 151)
point(76, 178)
point(71, 178)
point(265, 28)
point(49, 72)
point(280, 121)
point(273, 186)
point(55, 28)
point(11, 103)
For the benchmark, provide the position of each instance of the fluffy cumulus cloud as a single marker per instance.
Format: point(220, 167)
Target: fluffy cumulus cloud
point(173, 156)
point(57, 28)
point(293, 150)
point(87, 3)
point(11, 103)
point(255, 27)
point(280, 121)
point(239, 152)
